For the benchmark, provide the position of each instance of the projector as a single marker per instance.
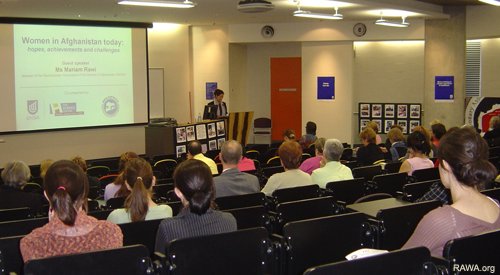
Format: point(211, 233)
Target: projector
point(253, 6)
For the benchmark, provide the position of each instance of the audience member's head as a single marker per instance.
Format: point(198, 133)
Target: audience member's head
point(80, 162)
point(397, 126)
point(438, 130)
point(311, 128)
point(124, 158)
point(434, 121)
point(138, 176)
point(193, 149)
point(395, 135)
point(289, 134)
point(44, 166)
point(219, 95)
point(319, 146)
point(422, 130)
point(66, 188)
point(333, 150)
point(418, 143)
point(466, 153)
point(194, 185)
point(16, 174)
point(495, 122)
point(290, 153)
point(368, 135)
point(231, 153)
point(372, 124)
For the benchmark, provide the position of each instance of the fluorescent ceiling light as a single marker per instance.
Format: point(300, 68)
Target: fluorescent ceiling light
point(491, 2)
point(308, 14)
point(383, 22)
point(158, 3)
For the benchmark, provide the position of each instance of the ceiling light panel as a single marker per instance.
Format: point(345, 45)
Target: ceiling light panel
point(319, 3)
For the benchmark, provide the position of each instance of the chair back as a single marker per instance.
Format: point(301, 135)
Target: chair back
point(492, 193)
point(268, 154)
point(273, 161)
point(20, 227)
point(347, 191)
point(240, 201)
point(269, 171)
point(166, 167)
point(347, 154)
point(143, 232)
point(321, 240)
point(100, 214)
point(295, 193)
point(124, 260)
point(392, 167)
point(400, 222)
point(252, 154)
point(413, 191)
point(239, 252)
point(367, 172)
point(304, 209)
point(426, 174)
point(479, 252)
point(107, 179)
point(161, 190)
point(11, 260)
point(98, 171)
point(115, 203)
point(249, 217)
point(412, 261)
point(12, 214)
point(373, 197)
point(33, 187)
point(391, 183)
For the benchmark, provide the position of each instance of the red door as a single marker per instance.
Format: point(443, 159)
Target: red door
point(286, 96)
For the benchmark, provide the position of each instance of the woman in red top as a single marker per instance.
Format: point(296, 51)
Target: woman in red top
point(69, 230)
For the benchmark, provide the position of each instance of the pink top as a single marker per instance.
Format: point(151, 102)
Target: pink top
point(417, 163)
point(310, 164)
point(444, 224)
point(246, 164)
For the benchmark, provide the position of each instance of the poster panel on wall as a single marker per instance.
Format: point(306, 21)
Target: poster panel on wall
point(444, 88)
point(210, 88)
point(326, 87)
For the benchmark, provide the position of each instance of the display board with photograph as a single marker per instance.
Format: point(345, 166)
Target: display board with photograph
point(406, 115)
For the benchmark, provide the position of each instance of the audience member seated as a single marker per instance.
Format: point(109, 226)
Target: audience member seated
point(438, 131)
point(93, 181)
point(313, 163)
point(44, 166)
point(117, 188)
point(15, 175)
point(69, 229)
point(463, 167)
point(232, 181)
point(139, 206)
point(246, 164)
point(310, 136)
point(369, 152)
point(418, 150)
point(372, 124)
point(195, 187)
point(397, 140)
point(333, 169)
point(290, 153)
point(426, 133)
point(194, 152)
point(494, 131)
point(289, 134)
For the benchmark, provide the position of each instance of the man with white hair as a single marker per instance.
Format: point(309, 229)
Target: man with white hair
point(333, 169)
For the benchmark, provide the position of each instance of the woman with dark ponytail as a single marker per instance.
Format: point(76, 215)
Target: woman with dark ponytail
point(463, 168)
point(139, 180)
point(419, 147)
point(194, 185)
point(69, 230)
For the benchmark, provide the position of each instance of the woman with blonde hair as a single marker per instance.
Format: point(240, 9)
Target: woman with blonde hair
point(139, 206)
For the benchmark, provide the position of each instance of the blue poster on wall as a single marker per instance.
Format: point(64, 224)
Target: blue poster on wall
point(326, 87)
point(444, 88)
point(210, 88)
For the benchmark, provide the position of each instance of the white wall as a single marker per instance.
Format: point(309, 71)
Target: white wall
point(482, 21)
point(490, 58)
point(328, 59)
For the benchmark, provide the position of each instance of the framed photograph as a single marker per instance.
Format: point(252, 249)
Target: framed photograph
point(212, 145)
point(364, 110)
point(220, 128)
point(362, 124)
point(377, 110)
point(404, 125)
point(220, 141)
point(204, 148)
point(389, 110)
point(201, 131)
point(413, 124)
point(379, 124)
point(181, 134)
point(387, 125)
point(211, 130)
point(181, 149)
point(402, 111)
point(190, 135)
point(414, 111)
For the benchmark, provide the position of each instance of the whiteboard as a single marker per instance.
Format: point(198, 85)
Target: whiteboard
point(156, 99)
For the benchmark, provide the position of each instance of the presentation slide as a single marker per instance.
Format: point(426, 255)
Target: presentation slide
point(60, 77)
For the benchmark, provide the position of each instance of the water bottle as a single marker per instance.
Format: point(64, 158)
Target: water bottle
point(199, 118)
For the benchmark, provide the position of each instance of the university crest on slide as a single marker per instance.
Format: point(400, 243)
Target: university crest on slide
point(32, 106)
point(110, 106)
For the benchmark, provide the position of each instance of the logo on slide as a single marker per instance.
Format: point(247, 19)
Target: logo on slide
point(32, 106)
point(110, 106)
